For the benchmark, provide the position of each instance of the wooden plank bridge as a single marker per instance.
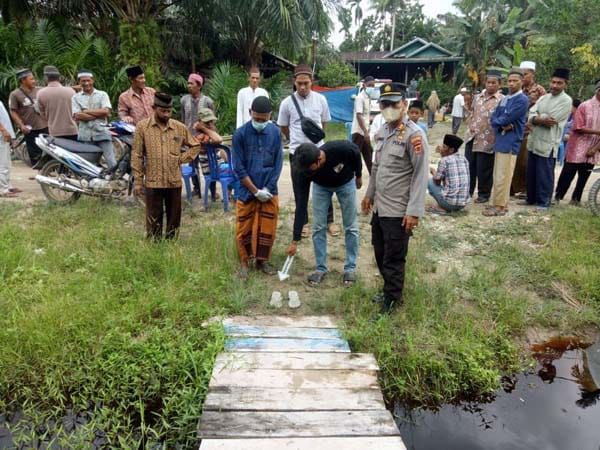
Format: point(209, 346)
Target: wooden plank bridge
point(292, 383)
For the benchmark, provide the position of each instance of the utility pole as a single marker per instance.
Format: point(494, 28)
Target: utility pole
point(315, 38)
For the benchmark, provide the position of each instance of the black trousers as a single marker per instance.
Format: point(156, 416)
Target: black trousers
point(35, 153)
point(390, 243)
point(481, 171)
point(159, 201)
point(366, 150)
point(301, 187)
point(568, 172)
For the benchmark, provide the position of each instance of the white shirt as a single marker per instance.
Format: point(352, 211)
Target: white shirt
point(314, 106)
point(6, 123)
point(362, 105)
point(378, 122)
point(244, 102)
point(458, 106)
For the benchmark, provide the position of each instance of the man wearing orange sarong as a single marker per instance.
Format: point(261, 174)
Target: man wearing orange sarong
point(257, 157)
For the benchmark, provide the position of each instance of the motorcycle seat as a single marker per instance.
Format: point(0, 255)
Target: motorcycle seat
point(75, 146)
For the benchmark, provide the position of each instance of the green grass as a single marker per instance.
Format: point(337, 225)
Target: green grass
point(96, 321)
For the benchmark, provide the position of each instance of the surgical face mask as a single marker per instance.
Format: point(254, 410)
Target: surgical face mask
point(259, 126)
point(391, 114)
point(372, 92)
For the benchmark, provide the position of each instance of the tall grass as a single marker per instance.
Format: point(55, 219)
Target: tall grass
point(98, 322)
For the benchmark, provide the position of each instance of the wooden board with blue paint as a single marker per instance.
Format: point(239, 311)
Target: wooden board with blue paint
point(281, 332)
point(292, 383)
point(283, 321)
point(286, 345)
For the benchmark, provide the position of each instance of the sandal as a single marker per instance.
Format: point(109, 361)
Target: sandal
point(266, 268)
point(316, 277)
point(349, 278)
point(494, 212)
point(434, 210)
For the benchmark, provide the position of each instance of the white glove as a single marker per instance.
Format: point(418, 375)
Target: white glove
point(263, 195)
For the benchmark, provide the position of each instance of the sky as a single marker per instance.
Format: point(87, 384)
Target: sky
point(431, 8)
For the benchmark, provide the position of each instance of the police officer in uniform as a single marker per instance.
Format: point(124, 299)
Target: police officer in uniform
point(396, 192)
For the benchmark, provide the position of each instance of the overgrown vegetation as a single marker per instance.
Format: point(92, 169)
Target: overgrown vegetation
point(103, 332)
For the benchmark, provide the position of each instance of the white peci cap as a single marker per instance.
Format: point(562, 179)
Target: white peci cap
point(527, 65)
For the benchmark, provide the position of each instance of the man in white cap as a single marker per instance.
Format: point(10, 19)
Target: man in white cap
point(534, 91)
point(91, 110)
point(458, 110)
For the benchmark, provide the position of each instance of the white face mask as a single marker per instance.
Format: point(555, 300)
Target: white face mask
point(391, 114)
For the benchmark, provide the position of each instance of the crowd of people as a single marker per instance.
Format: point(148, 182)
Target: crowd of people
point(514, 141)
point(511, 143)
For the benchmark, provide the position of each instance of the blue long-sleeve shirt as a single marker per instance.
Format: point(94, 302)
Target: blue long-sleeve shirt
point(512, 110)
point(258, 156)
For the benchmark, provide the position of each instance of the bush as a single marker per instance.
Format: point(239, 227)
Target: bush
point(337, 74)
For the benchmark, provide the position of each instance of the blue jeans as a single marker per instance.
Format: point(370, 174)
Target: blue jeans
point(436, 192)
point(321, 198)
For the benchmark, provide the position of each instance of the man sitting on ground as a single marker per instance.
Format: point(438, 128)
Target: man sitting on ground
point(449, 185)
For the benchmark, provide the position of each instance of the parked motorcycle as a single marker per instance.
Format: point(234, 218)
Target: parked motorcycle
point(71, 168)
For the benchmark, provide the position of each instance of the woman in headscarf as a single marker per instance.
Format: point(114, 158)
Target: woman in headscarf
point(433, 104)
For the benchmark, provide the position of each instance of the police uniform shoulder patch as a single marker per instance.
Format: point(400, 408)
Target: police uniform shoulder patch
point(416, 142)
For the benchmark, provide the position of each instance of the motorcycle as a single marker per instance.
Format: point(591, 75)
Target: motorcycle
point(71, 168)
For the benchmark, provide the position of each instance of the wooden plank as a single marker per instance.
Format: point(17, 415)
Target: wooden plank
point(283, 321)
point(283, 399)
point(350, 443)
point(287, 345)
point(295, 361)
point(295, 379)
point(244, 424)
point(282, 332)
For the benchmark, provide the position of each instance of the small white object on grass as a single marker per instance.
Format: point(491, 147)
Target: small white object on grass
point(294, 300)
point(276, 300)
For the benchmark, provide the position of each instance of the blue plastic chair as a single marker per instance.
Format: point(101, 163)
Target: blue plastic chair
point(188, 172)
point(226, 178)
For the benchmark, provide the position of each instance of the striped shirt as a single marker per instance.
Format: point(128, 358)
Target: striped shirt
point(453, 172)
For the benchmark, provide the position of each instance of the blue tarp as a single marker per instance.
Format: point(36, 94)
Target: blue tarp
point(340, 103)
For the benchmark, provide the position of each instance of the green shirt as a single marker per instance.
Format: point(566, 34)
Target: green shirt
point(544, 141)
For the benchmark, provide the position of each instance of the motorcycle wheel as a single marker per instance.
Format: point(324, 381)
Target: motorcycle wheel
point(594, 198)
point(54, 169)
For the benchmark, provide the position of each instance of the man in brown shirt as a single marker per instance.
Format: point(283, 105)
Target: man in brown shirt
point(157, 154)
point(22, 104)
point(54, 102)
point(135, 104)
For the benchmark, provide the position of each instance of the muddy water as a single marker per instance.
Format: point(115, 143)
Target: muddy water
point(556, 406)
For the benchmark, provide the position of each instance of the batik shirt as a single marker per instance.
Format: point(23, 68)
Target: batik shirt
point(480, 130)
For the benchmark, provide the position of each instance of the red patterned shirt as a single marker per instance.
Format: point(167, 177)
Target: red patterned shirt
point(587, 116)
point(135, 106)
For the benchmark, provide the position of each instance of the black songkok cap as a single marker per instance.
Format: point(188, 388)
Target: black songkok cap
point(368, 79)
point(261, 105)
point(453, 141)
point(494, 73)
point(163, 100)
point(134, 71)
point(417, 104)
point(561, 73)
